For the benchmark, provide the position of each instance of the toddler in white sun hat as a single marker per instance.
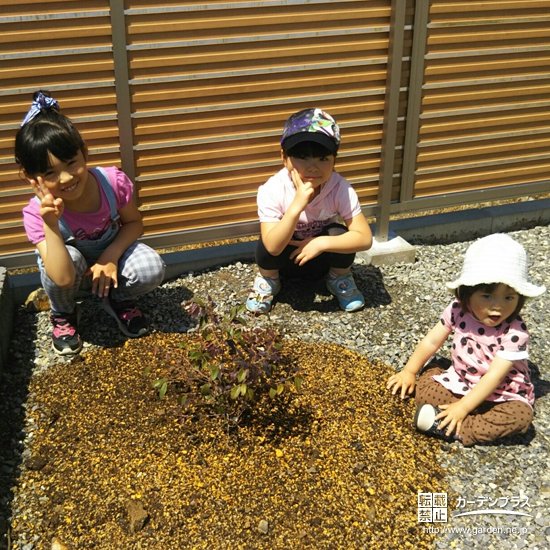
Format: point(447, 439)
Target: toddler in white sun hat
point(487, 392)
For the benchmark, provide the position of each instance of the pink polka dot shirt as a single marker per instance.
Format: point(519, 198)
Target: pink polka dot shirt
point(475, 345)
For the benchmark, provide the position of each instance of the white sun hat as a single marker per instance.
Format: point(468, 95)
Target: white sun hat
point(497, 259)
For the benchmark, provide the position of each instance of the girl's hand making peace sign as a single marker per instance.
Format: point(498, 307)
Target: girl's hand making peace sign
point(51, 209)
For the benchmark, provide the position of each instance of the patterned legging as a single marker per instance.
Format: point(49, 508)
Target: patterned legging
point(140, 270)
point(488, 422)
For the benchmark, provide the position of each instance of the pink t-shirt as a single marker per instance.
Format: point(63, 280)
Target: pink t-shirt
point(85, 226)
point(337, 198)
point(475, 345)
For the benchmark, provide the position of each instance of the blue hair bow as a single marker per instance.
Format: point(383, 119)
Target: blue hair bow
point(41, 102)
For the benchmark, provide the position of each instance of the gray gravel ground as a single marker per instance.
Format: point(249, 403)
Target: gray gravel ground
point(403, 302)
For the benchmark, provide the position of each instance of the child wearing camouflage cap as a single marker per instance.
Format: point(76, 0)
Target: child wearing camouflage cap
point(298, 208)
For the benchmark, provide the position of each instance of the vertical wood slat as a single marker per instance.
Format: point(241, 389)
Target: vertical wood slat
point(414, 99)
point(122, 86)
point(389, 139)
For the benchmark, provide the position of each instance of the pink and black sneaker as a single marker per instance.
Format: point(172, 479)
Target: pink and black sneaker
point(130, 319)
point(65, 337)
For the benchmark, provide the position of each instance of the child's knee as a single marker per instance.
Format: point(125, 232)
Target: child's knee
point(152, 273)
point(143, 268)
point(80, 265)
point(430, 391)
point(524, 416)
point(159, 271)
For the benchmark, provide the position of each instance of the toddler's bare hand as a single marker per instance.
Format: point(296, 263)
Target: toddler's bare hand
point(306, 250)
point(404, 381)
point(453, 416)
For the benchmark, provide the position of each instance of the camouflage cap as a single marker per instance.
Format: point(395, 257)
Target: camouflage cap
point(311, 125)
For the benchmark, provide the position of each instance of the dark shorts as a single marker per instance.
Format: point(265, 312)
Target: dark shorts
point(314, 269)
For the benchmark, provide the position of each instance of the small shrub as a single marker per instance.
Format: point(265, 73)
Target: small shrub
point(225, 365)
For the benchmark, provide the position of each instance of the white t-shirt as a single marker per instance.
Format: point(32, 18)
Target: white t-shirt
point(337, 198)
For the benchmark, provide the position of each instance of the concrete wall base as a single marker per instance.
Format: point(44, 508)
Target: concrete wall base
point(395, 250)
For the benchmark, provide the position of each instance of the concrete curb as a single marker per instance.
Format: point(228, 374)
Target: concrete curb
point(440, 228)
point(465, 225)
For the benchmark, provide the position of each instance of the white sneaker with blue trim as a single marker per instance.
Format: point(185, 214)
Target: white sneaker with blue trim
point(261, 297)
point(344, 288)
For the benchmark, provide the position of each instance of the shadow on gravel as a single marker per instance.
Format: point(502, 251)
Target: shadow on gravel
point(312, 295)
point(542, 387)
point(511, 440)
point(98, 328)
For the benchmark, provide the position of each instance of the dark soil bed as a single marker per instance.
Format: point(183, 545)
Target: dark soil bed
point(336, 466)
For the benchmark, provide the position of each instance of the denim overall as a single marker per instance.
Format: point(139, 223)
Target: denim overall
point(92, 249)
point(140, 268)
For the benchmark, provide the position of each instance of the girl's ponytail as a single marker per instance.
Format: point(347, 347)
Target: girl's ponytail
point(42, 100)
